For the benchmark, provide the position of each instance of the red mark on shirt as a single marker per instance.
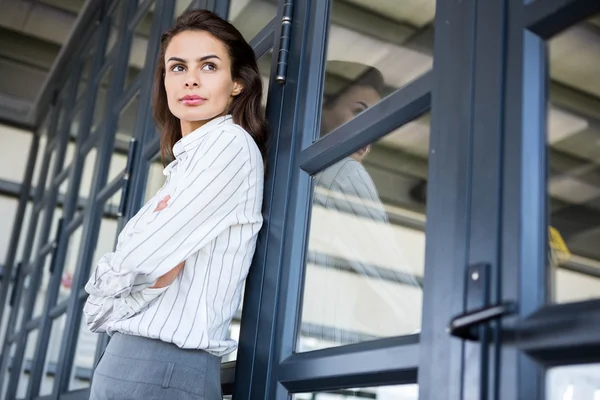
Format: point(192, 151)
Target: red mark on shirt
point(163, 203)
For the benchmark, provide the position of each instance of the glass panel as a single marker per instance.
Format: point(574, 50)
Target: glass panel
point(52, 355)
point(101, 96)
point(374, 48)
point(15, 148)
point(63, 188)
point(8, 212)
point(573, 382)
point(73, 247)
point(366, 245)
point(139, 46)
point(27, 363)
point(108, 230)
point(573, 144)
point(250, 16)
point(123, 136)
point(397, 392)
point(39, 158)
point(83, 364)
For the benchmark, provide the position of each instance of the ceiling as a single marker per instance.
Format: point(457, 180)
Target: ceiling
point(32, 33)
point(396, 40)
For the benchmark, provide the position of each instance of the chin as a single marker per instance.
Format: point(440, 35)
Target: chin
point(197, 116)
point(357, 157)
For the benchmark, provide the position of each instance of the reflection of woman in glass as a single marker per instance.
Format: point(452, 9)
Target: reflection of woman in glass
point(349, 176)
point(350, 223)
point(168, 292)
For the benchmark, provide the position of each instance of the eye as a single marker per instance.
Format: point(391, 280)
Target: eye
point(358, 110)
point(177, 68)
point(209, 67)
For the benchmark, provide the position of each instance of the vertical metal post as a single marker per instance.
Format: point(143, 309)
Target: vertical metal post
point(447, 250)
point(524, 213)
point(273, 288)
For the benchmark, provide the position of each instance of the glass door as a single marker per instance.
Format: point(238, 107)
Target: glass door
point(550, 255)
point(361, 190)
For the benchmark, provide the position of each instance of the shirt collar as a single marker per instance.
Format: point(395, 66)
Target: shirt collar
point(192, 140)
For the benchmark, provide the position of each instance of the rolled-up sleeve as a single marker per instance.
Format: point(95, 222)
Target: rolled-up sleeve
point(98, 311)
point(206, 202)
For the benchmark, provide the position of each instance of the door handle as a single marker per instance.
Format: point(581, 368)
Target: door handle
point(465, 325)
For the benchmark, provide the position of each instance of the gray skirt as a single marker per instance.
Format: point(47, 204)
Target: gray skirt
point(134, 367)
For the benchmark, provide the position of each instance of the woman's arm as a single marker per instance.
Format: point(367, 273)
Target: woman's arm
point(99, 311)
point(168, 278)
point(209, 195)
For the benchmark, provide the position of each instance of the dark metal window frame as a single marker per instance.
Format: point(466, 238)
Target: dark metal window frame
point(477, 209)
point(16, 335)
point(267, 365)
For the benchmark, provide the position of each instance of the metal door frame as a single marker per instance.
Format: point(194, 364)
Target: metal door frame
point(540, 335)
point(268, 367)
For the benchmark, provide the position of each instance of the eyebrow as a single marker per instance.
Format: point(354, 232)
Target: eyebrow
point(208, 57)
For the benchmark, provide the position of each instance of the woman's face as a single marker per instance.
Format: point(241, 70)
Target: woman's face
point(198, 79)
point(352, 102)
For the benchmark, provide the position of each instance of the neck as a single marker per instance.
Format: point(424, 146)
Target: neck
point(188, 127)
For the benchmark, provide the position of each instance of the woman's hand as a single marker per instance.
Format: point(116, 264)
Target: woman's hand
point(168, 278)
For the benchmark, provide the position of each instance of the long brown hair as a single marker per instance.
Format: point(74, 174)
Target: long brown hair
point(245, 107)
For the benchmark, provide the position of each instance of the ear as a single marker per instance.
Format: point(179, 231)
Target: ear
point(237, 88)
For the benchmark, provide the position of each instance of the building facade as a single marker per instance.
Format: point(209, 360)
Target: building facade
point(431, 199)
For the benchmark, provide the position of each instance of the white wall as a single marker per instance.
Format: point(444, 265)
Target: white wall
point(14, 151)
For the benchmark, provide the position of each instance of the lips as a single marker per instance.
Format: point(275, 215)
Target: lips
point(192, 100)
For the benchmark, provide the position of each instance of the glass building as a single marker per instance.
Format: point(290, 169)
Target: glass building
point(432, 196)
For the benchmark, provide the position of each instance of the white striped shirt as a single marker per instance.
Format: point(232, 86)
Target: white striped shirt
point(211, 221)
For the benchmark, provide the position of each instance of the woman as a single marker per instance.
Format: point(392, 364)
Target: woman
point(168, 292)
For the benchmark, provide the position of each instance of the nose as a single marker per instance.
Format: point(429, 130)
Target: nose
point(191, 80)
